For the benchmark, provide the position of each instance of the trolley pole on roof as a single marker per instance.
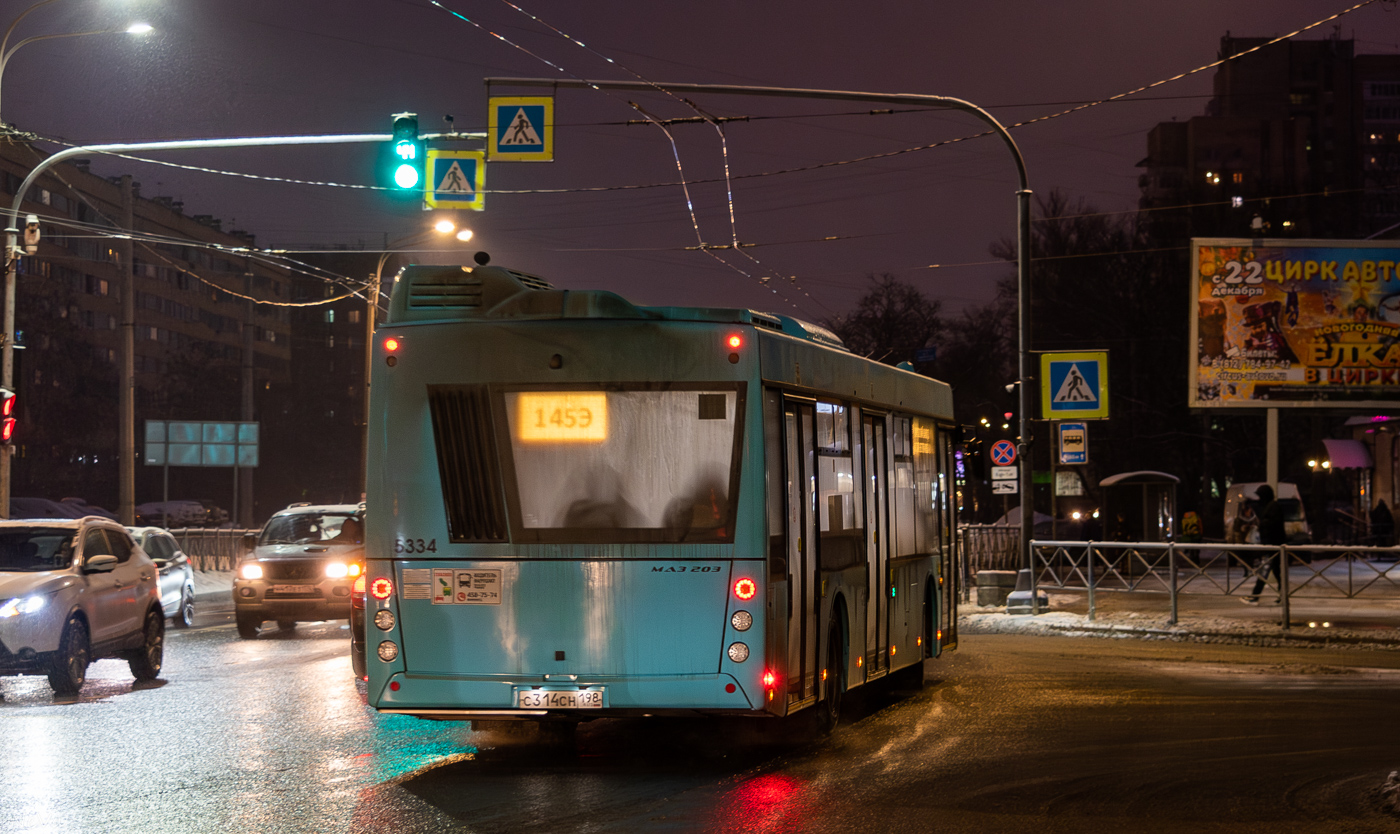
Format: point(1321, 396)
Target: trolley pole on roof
point(1023, 222)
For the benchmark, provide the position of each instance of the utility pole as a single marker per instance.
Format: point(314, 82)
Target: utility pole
point(243, 514)
point(1023, 224)
point(126, 504)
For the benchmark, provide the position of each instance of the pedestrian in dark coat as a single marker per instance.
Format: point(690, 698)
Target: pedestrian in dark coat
point(1270, 532)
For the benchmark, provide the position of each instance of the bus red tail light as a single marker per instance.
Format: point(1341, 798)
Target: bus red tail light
point(392, 344)
point(745, 588)
point(381, 588)
point(735, 341)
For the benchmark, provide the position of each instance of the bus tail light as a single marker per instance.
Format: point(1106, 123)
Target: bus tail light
point(381, 588)
point(734, 341)
point(745, 588)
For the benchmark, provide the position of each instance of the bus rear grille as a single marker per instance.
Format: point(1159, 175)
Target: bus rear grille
point(466, 452)
point(445, 291)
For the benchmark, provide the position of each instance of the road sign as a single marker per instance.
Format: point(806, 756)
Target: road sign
point(1003, 453)
point(1004, 487)
point(455, 180)
point(1074, 443)
point(170, 443)
point(1075, 385)
point(520, 129)
point(1005, 473)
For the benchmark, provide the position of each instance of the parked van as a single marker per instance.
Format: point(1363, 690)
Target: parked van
point(1295, 522)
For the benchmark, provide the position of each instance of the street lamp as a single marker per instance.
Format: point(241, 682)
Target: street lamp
point(12, 252)
point(442, 226)
point(6, 51)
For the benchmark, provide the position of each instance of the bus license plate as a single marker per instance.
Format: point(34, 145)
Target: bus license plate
point(559, 699)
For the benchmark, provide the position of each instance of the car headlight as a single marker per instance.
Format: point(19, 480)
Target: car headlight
point(21, 605)
point(337, 570)
point(250, 570)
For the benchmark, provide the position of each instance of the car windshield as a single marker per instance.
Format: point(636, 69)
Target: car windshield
point(313, 528)
point(36, 549)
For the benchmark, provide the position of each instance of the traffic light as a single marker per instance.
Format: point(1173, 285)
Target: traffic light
point(407, 154)
point(7, 416)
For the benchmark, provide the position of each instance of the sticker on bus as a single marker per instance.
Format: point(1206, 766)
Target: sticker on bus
point(478, 587)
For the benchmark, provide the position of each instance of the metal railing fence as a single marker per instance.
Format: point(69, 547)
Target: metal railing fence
point(1176, 568)
point(211, 548)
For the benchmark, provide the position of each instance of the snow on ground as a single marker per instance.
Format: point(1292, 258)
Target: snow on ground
point(1217, 623)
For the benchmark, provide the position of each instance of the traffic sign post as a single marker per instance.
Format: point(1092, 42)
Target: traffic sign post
point(455, 180)
point(520, 129)
point(1075, 386)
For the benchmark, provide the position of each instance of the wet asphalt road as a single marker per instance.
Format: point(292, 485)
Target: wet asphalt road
point(1010, 733)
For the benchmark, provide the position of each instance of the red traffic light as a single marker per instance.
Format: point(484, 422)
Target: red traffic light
point(7, 416)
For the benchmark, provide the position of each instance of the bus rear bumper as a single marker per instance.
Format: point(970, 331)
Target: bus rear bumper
point(459, 698)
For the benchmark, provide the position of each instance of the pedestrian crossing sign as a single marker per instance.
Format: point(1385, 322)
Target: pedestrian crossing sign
point(455, 180)
point(1074, 386)
point(520, 129)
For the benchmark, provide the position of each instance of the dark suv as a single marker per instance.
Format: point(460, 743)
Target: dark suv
point(301, 567)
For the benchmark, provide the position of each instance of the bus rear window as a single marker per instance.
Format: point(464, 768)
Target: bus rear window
point(620, 466)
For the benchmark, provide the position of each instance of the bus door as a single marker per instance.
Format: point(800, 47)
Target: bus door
point(876, 545)
point(945, 502)
point(802, 578)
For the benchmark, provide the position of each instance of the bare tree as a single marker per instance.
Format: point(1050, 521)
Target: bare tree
point(891, 323)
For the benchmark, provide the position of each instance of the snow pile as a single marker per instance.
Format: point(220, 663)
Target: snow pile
point(1263, 629)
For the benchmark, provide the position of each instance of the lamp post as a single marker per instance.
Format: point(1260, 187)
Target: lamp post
point(7, 371)
point(443, 226)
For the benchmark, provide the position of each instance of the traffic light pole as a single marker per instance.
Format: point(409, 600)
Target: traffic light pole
point(1023, 224)
point(12, 254)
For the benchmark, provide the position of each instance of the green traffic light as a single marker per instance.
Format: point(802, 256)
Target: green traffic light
point(406, 176)
point(408, 151)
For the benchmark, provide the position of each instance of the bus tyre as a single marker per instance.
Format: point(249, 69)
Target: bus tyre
point(248, 625)
point(68, 669)
point(834, 687)
point(357, 659)
point(146, 661)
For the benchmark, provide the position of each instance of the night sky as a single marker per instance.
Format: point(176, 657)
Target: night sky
point(219, 68)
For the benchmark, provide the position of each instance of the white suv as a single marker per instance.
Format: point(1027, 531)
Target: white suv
point(302, 567)
point(73, 591)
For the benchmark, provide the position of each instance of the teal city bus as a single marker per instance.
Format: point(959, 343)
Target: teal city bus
point(578, 507)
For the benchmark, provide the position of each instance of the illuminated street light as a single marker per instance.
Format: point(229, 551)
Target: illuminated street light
point(7, 51)
point(444, 225)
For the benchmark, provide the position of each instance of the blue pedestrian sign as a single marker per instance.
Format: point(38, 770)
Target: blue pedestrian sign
point(520, 129)
point(455, 180)
point(1074, 385)
point(1003, 453)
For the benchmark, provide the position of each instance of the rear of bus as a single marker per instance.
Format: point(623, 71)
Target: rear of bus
point(555, 526)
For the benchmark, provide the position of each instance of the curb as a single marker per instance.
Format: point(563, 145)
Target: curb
point(1231, 636)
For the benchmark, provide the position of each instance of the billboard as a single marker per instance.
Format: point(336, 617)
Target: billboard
point(1294, 323)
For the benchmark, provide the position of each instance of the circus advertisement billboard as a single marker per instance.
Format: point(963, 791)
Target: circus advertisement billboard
point(1295, 323)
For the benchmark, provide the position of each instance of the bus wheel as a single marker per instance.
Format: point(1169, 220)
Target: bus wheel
point(835, 684)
